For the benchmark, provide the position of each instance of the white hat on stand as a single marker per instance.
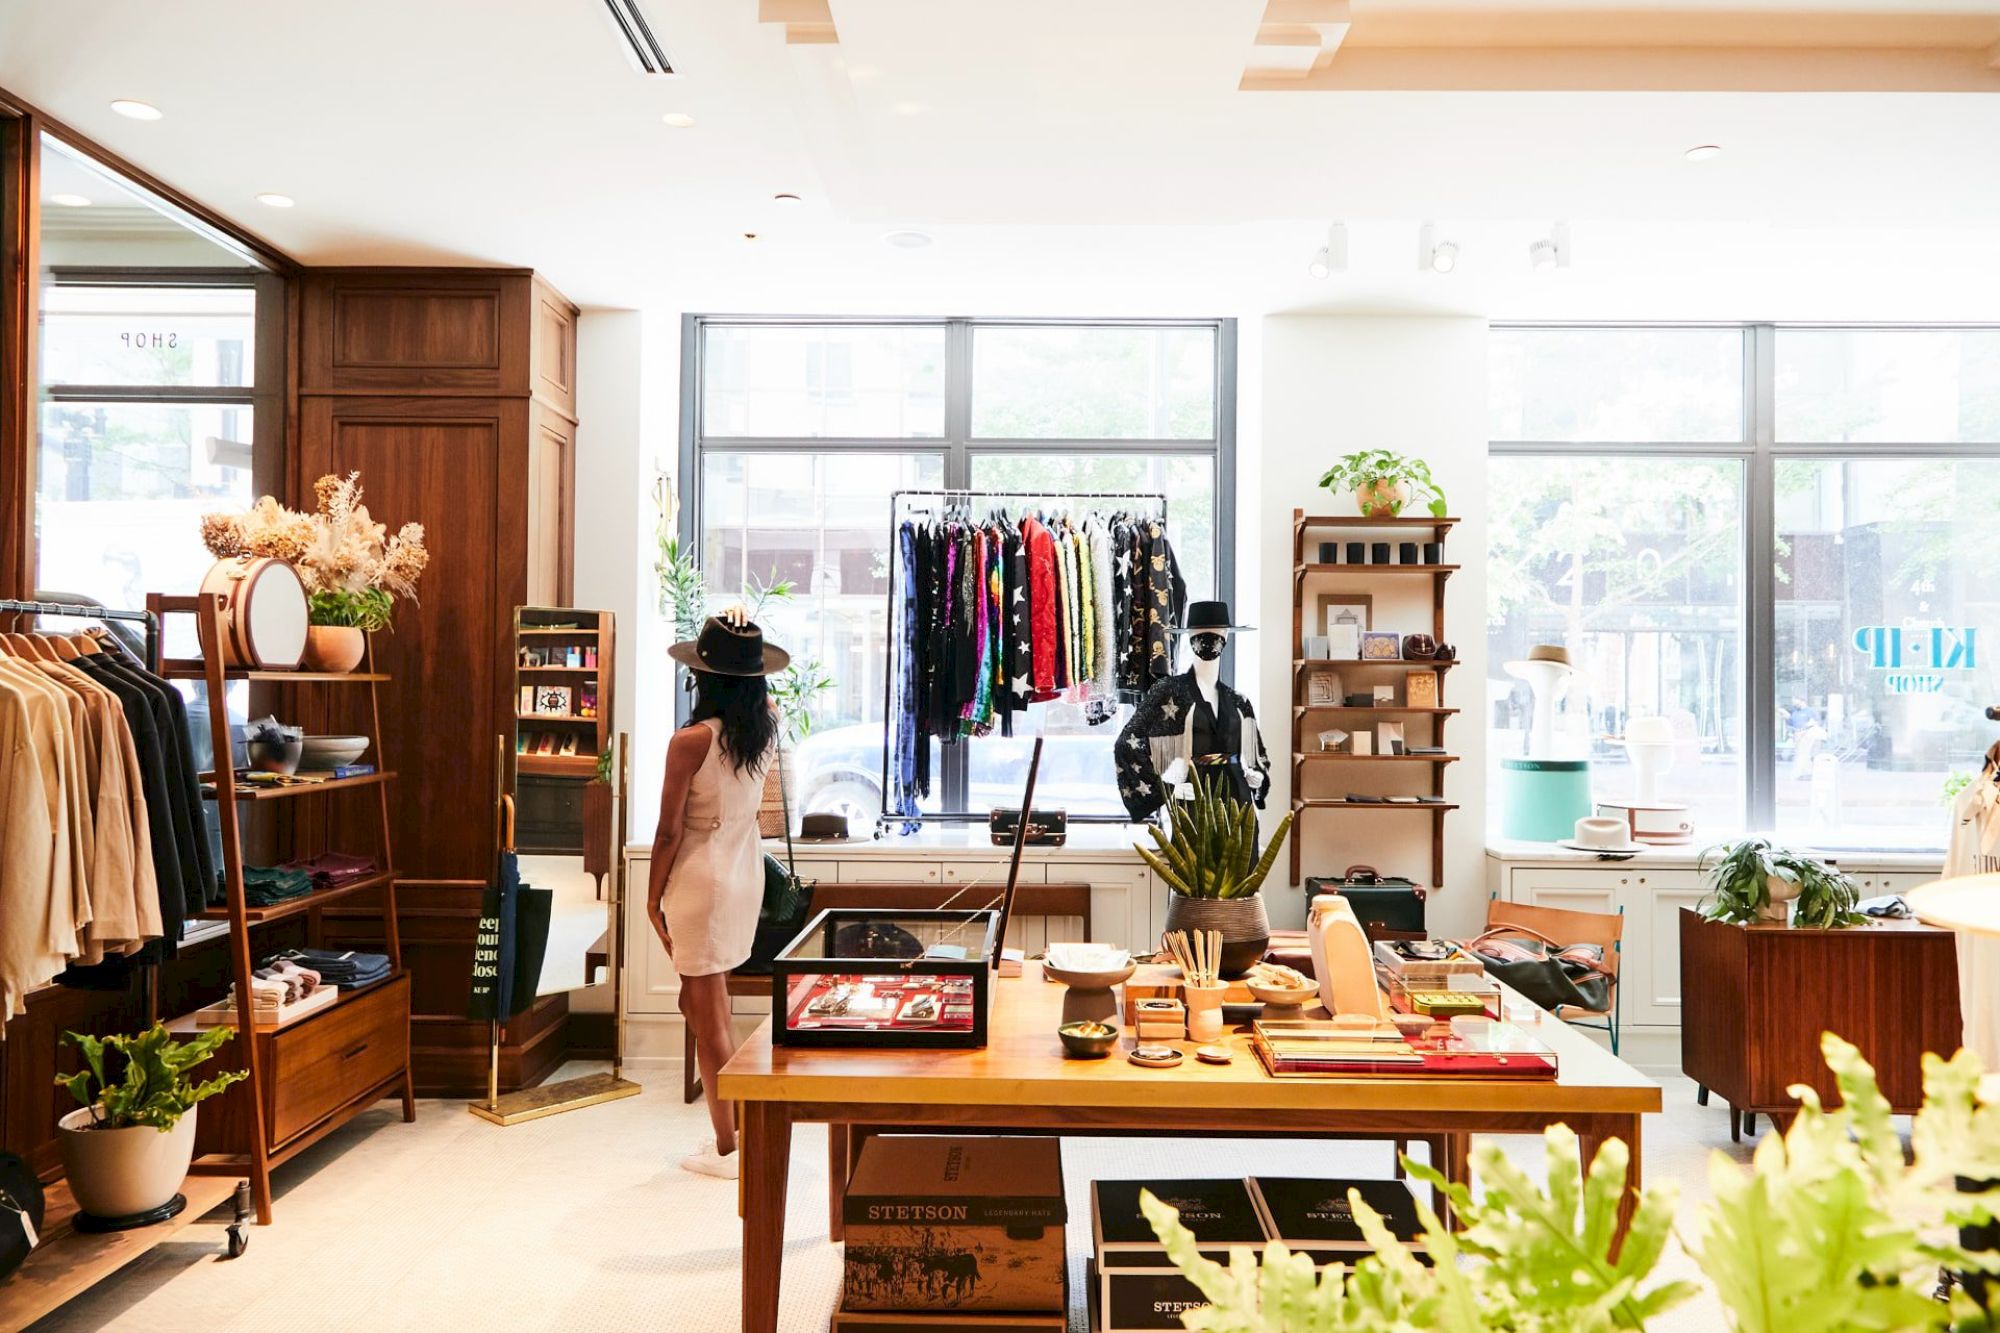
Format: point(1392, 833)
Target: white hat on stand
point(1603, 835)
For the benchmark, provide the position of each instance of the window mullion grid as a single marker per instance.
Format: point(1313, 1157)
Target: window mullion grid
point(1760, 686)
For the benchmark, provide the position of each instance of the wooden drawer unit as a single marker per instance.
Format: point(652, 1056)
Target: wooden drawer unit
point(322, 1063)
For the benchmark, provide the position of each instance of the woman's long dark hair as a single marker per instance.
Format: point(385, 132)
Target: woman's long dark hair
point(743, 705)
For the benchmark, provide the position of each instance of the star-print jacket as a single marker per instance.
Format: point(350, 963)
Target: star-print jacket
point(1162, 730)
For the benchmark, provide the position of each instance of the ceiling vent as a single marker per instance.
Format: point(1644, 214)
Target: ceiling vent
point(635, 37)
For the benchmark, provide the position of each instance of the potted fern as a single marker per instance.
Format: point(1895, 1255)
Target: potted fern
point(1213, 873)
point(1754, 882)
point(127, 1149)
point(1383, 481)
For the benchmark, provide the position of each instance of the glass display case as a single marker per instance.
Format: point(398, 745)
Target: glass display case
point(883, 977)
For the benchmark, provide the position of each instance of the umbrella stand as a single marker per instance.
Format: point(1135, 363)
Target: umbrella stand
point(590, 1089)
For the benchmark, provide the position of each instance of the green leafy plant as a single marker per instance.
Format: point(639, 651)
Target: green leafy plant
point(1385, 469)
point(1529, 1259)
point(149, 1084)
point(1210, 854)
point(369, 609)
point(1830, 1226)
point(794, 689)
point(1740, 886)
point(601, 770)
point(1955, 782)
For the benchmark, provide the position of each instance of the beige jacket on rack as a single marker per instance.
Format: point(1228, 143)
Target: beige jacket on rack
point(1975, 850)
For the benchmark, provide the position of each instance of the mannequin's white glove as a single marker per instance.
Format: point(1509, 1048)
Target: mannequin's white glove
point(1254, 778)
point(1174, 776)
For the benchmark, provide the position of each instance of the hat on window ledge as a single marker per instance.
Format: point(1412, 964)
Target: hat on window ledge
point(730, 644)
point(1207, 618)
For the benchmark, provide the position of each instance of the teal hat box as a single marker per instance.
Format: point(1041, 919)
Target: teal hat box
point(1541, 799)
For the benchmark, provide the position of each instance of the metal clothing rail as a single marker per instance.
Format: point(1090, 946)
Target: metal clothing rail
point(899, 509)
point(86, 611)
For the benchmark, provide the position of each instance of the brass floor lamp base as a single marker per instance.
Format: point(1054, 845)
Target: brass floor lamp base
point(554, 1098)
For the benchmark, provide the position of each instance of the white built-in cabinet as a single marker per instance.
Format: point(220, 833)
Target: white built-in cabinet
point(1651, 889)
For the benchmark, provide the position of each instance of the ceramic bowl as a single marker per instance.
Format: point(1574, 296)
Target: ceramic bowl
point(324, 752)
point(1079, 1045)
point(1284, 997)
point(1102, 980)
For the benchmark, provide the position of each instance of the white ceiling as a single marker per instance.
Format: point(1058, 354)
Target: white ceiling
point(1068, 156)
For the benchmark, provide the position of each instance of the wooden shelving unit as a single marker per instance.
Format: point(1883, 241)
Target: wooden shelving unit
point(550, 800)
point(1427, 770)
point(313, 1075)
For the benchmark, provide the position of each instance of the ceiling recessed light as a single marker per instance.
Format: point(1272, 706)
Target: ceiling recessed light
point(679, 120)
point(907, 240)
point(274, 200)
point(135, 110)
point(788, 200)
point(908, 108)
point(70, 200)
point(1702, 152)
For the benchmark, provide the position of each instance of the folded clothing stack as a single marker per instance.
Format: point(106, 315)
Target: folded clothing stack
point(333, 869)
point(265, 886)
point(279, 982)
point(343, 968)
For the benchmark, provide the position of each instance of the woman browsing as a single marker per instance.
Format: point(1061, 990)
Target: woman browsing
point(707, 881)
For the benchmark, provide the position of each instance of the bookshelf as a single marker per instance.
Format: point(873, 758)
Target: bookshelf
point(1416, 779)
point(563, 672)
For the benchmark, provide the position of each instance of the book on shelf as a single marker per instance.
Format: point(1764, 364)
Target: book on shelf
point(352, 771)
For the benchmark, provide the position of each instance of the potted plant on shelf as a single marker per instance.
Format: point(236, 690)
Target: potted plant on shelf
point(127, 1149)
point(1383, 481)
point(353, 568)
point(1212, 871)
point(1753, 882)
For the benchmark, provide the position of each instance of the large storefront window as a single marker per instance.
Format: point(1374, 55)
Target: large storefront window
point(1623, 518)
point(807, 428)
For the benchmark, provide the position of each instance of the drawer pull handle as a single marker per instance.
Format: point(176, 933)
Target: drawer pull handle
point(356, 1051)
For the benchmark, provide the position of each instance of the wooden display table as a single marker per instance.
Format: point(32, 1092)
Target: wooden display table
point(1020, 1083)
point(1755, 999)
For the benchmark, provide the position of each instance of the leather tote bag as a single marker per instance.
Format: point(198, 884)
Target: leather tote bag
point(787, 898)
point(1550, 974)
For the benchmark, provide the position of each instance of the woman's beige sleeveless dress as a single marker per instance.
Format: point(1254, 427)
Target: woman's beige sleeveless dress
point(716, 887)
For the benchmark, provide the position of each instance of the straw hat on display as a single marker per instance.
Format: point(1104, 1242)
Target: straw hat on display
point(1542, 654)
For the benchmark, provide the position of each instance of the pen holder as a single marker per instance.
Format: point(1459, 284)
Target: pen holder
point(1204, 1011)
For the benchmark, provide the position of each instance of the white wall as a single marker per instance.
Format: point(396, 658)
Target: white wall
point(1330, 385)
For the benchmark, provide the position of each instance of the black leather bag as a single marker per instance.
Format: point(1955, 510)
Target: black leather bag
point(1046, 828)
point(787, 898)
point(1550, 974)
point(21, 1211)
point(1385, 905)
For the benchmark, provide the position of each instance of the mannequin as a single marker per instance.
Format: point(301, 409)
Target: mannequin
point(1190, 720)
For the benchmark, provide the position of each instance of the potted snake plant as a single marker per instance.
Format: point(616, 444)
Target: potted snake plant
point(1213, 873)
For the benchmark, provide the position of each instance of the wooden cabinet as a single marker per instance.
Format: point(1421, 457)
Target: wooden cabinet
point(453, 392)
point(1756, 999)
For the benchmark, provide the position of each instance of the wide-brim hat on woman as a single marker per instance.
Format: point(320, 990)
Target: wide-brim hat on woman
point(724, 649)
point(1207, 618)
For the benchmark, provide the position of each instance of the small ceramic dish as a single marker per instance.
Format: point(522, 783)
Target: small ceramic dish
point(1154, 1057)
point(1087, 1041)
point(1284, 997)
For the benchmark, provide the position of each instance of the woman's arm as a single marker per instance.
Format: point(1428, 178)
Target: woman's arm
point(685, 753)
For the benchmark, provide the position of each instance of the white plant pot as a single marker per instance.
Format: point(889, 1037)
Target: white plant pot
point(119, 1172)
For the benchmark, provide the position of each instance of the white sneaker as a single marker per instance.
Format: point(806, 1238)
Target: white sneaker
point(706, 1161)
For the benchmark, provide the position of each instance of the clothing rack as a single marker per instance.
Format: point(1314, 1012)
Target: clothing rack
point(87, 611)
point(900, 508)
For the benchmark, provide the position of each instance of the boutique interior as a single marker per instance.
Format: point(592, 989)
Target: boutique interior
point(1101, 431)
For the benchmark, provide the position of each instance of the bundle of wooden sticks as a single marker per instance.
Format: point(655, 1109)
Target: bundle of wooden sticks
point(1199, 952)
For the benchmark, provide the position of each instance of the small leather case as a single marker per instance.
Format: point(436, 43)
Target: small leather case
point(1046, 828)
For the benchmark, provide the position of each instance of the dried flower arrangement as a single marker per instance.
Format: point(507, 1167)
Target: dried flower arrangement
point(352, 566)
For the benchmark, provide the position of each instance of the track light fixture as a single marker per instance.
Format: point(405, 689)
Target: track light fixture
point(1433, 255)
point(1331, 257)
point(1552, 250)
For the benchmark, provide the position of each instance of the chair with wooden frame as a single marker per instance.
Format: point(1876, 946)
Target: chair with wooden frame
point(1566, 926)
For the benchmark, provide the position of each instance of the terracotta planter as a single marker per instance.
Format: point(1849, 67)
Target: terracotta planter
point(119, 1172)
point(1381, 499)
point(334, 648)
point(1245, 927)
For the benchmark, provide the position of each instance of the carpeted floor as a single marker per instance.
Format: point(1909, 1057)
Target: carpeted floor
point(584, 1222)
